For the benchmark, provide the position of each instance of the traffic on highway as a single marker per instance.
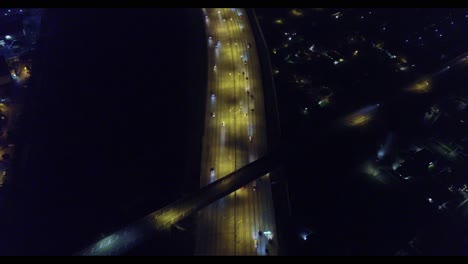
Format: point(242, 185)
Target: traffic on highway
point(234, 136)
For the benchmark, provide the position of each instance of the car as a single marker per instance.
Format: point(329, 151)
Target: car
point(212, 172)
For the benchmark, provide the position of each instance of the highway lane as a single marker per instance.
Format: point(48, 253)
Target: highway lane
point(230, 226)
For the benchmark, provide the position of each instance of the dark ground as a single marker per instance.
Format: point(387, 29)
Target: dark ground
point(108, 124)
point(348, 212)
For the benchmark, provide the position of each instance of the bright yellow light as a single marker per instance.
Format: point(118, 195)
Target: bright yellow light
point(420, 87)
point(355, 52)
point(359, 120)
point(276, 71)
point(296, 12)
point(3, 107)
point(274, 51)
point(279, 21)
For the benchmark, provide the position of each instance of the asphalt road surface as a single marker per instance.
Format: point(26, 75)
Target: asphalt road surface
point(235, 135)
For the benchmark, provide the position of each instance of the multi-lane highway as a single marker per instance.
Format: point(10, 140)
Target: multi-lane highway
point(234, 149)
point(235, 135)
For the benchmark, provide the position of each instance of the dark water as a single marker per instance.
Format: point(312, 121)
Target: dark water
point(110, 125)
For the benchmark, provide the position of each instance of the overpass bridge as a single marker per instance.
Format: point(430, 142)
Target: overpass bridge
point(129, 237)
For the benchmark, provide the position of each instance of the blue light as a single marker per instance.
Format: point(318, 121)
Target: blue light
point(380, 153)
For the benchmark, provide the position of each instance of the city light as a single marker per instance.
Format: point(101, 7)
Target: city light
point(296, 12)
point(279, 21)
point(420, 87)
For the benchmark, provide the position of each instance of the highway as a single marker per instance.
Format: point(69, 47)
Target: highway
point(230, 225)
point(235, 135)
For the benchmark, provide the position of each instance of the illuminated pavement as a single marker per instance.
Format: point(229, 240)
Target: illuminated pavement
point(230, 225)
